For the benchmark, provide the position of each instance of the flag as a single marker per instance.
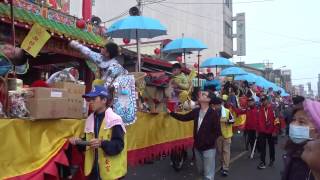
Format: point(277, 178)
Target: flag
point(35, 40)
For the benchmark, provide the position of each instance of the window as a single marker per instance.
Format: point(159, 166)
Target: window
point(227, 30)
point(228, 3)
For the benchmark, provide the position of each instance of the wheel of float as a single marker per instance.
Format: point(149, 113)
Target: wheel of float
point(178, 159)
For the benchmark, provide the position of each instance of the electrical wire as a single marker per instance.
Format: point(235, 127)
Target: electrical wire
point(177, 19)
point(153, 2)
point(124, 13)
point(256, 30)
point(209, 3)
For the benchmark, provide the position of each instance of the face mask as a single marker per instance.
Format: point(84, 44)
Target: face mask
point(299, 134)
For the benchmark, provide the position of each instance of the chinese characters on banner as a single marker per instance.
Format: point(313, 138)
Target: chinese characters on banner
point(35, 40)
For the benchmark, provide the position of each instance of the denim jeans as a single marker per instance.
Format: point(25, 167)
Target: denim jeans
point(206, 161)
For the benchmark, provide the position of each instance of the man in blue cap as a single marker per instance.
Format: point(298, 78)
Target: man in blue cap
point(105, 141)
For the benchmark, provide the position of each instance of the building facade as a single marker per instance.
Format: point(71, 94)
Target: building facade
point(211, 23)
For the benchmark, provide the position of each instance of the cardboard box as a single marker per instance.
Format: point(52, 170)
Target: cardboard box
point(74, 108)
point(74, 98)
point(73, 89)
point(47, 103)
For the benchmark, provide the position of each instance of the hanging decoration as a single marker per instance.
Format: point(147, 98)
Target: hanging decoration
point(195, 65)
point(126, 41)
point(157, 51)
point(81, 24)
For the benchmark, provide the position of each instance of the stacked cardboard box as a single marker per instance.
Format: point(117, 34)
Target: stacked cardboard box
point(74, 104)
point(46, 103)
point(63, 100)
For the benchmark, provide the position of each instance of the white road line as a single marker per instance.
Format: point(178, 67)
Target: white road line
point(234, 159)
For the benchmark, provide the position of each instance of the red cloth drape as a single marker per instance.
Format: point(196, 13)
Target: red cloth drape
point(86, 9)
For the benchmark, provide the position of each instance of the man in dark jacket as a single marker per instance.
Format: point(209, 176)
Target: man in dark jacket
point(206, 131)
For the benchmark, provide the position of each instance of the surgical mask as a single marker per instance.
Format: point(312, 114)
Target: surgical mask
point(299, 134)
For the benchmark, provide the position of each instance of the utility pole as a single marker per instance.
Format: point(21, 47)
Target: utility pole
point(140, 6)
point(138, 39)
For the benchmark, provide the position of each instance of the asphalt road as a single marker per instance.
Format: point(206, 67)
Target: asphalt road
point(242, 168)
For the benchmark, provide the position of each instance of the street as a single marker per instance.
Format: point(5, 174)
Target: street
point(241, 167)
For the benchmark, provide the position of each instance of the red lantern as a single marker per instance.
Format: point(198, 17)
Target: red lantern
point(81, 24)
point(157, 51)
point(208, 70)
point(179, 59)
point(195, 65)
point(126, 41)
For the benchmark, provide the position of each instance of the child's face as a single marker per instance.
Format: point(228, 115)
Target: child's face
point(97, 103)
point(176, 71)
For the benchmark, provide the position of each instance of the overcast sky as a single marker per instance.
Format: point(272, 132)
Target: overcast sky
point(286, 32)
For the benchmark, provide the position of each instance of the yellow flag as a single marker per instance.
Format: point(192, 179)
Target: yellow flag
point(35, 40)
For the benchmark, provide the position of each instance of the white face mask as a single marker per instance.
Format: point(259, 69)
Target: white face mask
point(299, 134)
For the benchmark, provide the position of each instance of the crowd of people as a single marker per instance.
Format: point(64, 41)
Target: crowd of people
point(268, 115)
point(218, 108)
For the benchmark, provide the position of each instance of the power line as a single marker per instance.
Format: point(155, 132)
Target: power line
point(191, 13)
point(170, 15)
point(305, 78)
point(259, 31)
point(124, 13)
point(288, 37)
point(208, 3)
point(153, 2)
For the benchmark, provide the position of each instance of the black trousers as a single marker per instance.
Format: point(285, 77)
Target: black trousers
point(262, 139)
point(251, 134)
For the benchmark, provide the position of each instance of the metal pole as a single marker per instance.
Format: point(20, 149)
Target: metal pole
point(138, 39)
point(184, 56)
point(12, 24)
point(216, 70)
point(199, 69)
point(138, 51)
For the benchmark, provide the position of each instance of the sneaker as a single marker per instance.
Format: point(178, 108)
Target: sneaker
point(221, 170)
point(271, 163)
point(262, 165)
point(225, 173)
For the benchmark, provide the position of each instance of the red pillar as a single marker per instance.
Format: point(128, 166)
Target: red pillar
point(86, 9)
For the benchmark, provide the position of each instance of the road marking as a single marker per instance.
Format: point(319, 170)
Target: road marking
point(233, 159)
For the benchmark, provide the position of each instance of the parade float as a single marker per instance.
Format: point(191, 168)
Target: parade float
point(34, 141)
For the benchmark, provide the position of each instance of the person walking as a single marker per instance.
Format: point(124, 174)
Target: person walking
point(224, 141)
point(250, 127)
point(206, 131)
point(267, 130)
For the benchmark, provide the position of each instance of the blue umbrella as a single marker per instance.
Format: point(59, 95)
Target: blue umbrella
point(216, 62)
point(250, 77)
point(233, 71)
point(274, 87)
point(262, 82)
point(284, 93)
point(136, 27)
point(183, 45)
